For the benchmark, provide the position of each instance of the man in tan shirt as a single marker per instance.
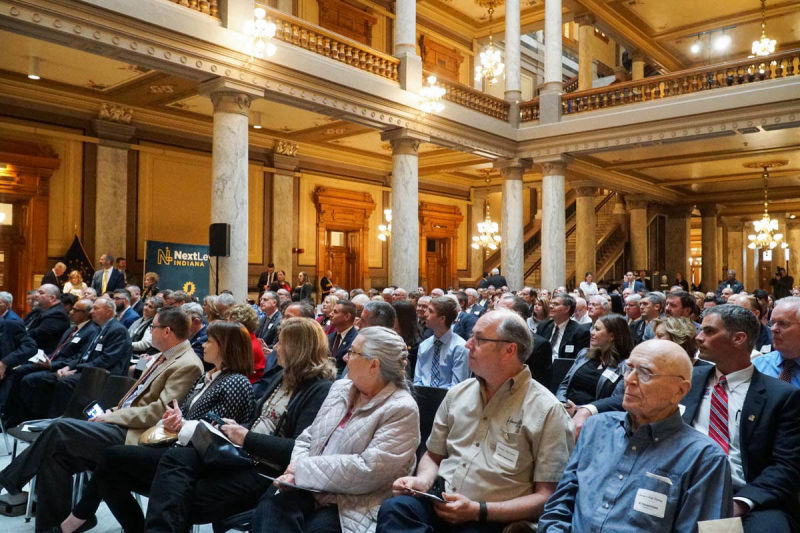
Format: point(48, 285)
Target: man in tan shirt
point(498, 445)
point(69, 446)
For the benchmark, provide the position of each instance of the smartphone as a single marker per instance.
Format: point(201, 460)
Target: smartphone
point(290, 485)
point(94, 409)
point(425, 495)
point(214, 418)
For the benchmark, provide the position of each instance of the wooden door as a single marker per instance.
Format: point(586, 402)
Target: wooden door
point(765, 270)
point(436, 264)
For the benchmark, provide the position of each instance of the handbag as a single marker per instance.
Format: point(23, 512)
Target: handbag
point(217, 451)
point(157, 436)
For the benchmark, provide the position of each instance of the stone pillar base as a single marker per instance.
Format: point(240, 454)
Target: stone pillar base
point(409, 73)
point(550, 103)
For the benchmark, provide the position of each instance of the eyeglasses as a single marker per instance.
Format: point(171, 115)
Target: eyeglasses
point(351, 352)
point(644, 374)
point(480, 340)
point(157, 326)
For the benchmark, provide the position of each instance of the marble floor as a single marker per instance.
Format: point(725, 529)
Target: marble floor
point(105, 521)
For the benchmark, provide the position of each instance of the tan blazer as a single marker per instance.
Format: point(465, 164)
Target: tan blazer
point(170, 381)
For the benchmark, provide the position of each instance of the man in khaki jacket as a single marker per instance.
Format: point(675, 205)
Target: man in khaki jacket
point(69, 446)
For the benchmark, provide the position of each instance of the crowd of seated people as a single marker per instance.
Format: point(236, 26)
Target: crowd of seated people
point(669, 408)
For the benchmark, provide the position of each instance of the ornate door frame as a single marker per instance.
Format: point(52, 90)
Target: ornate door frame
point(437, 221)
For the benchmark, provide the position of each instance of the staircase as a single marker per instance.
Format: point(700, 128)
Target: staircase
point(609, 245)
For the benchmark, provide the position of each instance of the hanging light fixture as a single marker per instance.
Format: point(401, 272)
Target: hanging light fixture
point(260, 32)
point(385, 230)
point(766, 229)
point(431, 96)
point(490, 65)
point(764, 46)
point(487, 237)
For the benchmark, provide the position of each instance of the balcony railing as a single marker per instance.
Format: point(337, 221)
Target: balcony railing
point(298, 32)
point(739, 72)
point(474, 99)
point(209, 7)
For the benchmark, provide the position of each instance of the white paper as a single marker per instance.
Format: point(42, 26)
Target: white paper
point(40, 357)
point(217, 432)
point(650, 502)
point(723, 525)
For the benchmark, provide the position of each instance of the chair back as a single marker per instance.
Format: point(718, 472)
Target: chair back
point(88, 389)
point(428, 400)
point(114, 389)
point(561, 366)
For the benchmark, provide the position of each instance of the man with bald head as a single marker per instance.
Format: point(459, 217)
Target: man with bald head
point(644, 469)
point(753, 418)
point(52, 321)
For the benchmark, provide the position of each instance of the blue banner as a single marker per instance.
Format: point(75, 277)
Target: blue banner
point(179, 266)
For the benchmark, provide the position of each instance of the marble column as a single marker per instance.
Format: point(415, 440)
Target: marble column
point(734, 256)
point(585, 55)
point(404, 242)
point(111, 190)
point(793, 240)
point(710, 273)
point(638, 233)
point(585, 229)
point(229, 168)
point(678, 241)
point(550, 95)
point(513, 94)
point(554, 258)
point(637, 65)
point(512, 227)
point(477, 212)
point(405, 46)
point(284, 218)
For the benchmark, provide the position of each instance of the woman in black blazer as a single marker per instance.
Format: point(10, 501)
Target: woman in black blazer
point(224, 389)
point(183, 491)
point(303, 289)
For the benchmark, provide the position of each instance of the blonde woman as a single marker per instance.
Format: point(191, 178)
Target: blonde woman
point(75, 285)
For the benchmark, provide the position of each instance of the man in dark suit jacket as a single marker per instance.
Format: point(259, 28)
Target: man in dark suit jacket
point(6, 313)
point(267, 329)
point(16, 347)
point(31, 385)
point(52, 320)
point(339, 341)
point(55, 275)
point(110, 349)
point(571, 337)
point(540, 360)
point(465, 321)
point(496, 280)
point(116, 280)
point(763, 420)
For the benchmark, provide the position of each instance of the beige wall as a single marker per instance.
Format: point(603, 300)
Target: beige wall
point(175, 199)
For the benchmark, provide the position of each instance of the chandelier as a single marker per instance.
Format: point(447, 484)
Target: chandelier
point(431, 96)
point(487, 237)
point(490, 65)
point(385, 230)
point(766, 229)
point(764, 46)
point(259, 32)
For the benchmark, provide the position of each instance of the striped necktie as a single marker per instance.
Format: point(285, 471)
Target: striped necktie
point(718, 419)
point(435, 377)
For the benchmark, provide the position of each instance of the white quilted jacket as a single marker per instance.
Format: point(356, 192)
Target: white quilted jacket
point(378, 446)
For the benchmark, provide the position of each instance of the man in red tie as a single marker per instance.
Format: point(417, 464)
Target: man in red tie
point(69, 446)
point(754, 418)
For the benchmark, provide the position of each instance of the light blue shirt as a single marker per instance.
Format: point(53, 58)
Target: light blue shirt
point(453, 361)
point(664, 476)
point(771, 364)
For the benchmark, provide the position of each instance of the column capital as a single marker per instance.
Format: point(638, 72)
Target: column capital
point(732, 223)
point(512, 168)
point(636, 202)
point(678, 211)
point(637, 55)
point(230, 96)
point(114, 134)
point(404, 140)
point(553, 167)
point(584, 188)
point(585, 19)
point(708, 210)
point(791, 223)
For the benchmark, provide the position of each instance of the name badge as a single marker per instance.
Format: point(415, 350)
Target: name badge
point(76, 340)
point(569, 348)
point(766, 348)
point(269, 326)
point(506, 455)
point(610, 375)
point(650, 502)
point(98, 348)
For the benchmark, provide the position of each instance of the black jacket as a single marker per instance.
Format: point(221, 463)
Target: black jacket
point(769, 437)
point(48, 326)
point(110, 349)
point(496, 281)
point(300, 413)
point(540, 361)
point(16, 346)
point(267, 329)
point(74, 347)
point(575, 335)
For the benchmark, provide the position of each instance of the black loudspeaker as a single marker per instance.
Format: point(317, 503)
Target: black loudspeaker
point(219, 240)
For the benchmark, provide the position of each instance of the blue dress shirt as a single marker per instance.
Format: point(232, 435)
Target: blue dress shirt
point(453, 361)
point(664, 476)
point(771, 365)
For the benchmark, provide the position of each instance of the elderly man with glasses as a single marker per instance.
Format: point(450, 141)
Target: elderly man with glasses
point(644, 469)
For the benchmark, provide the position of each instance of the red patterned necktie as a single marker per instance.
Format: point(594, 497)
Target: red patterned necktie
point(718, 420)
point(786, 370)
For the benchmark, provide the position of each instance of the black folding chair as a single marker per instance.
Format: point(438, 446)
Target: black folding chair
point(428, 400)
